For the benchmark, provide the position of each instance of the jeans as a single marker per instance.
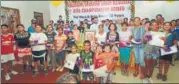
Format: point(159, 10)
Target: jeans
point(139, 56)
point(52, 57)
point(107, 79)
point(87, 75)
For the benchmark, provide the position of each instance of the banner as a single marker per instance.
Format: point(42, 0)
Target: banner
point(80, 10)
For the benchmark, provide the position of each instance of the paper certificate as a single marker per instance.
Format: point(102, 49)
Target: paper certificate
point(101, 72)
point(70, 61)
point(173, 50)
point(156, 39)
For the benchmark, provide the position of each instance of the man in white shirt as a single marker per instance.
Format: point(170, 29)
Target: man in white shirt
point(94, 25)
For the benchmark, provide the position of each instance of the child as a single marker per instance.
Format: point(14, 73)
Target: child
point(51, 50)
point(98, 62)
point(109, 59)
point(66, 29)
point(23, 46)
point(70, 41)
point(76, 56)
point(86, 57)
point(137, 35)
point(7, 52)
point(166, 59)
point(38, 41)
point(76, 33)
point(151, 51)
point(125, 37)
point(60, 43)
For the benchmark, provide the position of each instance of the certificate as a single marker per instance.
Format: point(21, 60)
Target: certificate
point(173, 50)
point(156, 39)
point(101, 72)
point(70, 61)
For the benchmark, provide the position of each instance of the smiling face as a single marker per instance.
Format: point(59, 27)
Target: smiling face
point(155, 26)
point(107, 49)
point(20, 29)
point(87, 46)
point(137, 21)
point(38, 29)
point(167, 26)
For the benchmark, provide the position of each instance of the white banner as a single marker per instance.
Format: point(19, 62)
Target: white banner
point(80, 10)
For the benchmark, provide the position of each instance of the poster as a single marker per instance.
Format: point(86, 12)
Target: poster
point(80, 10)
point(11, 17)
point(70, 61)
point(101, 72)
point(39, 18)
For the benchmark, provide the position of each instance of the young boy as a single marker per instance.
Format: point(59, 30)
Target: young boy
point(60, 43)
point(108, 58)
point(7, 52)
point(86, 56)
point(38, 41)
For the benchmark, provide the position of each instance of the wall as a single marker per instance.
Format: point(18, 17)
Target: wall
point(27, 9)
point(143, 9)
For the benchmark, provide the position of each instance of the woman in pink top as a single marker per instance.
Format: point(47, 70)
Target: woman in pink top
point(76, 33)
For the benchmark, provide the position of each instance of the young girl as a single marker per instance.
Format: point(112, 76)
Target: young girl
point(138, 33)
point(76, 33)
point(151, 51)
point(108, 58)
point(60, 43)
point(7, 52)
point(38, 41)
point(166, 59)
point(101, 35)
point(125, 37)
point(23, 46)
point(51, 52)
point(76, 56)
point(66, 29)
point(70, 41)
point(98, 62)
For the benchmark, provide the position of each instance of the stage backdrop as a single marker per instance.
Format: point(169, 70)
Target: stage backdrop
point(80, 10)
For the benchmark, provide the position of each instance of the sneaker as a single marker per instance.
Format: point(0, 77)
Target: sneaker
point(53, 70)
point(14, 72)
point(7, 77)
point(35, 73)
point(164, 78)
point(159, 76)
point(146, 80)
point(45, 71)
point(150, 80)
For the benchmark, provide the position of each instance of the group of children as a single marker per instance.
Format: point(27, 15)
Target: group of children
point(51, 48)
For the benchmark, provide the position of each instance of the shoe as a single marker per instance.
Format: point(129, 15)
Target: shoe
point(150, 80)
point(159, 76)
point(58, 69)
point(14, 72)
point(53, 70)
point(164, 78)
point(146, 80)
point(45, 71)
point(35, 73)
point(61, 69)
point(7, 77)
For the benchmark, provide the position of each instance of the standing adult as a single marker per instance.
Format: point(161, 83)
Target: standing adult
point(31, 29)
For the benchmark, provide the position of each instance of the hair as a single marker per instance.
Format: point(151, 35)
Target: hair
point(159, 15)
point(168, 23)
point(60, 15)
point(154, 22)
point(148, 22)
point(115, 27)
point(125, 18)
point(124, 23)
point(71, 21)
point(19, 25)
point(177, 19)
point(65, 78)
point(60, 28)
point(74, 45)
point(173, 21)
point(101, 26)
point(106, 45)
point(4, 25)
point(87, 41)
point(107, 20)
point(38, 25)
point(137, 18)
point(49, 25)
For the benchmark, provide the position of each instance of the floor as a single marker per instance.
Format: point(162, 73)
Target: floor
point(173, 75)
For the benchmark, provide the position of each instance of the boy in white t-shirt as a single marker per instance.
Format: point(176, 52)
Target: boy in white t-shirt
point(38, 41)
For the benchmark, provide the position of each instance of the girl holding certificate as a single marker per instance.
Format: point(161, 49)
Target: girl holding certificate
point(166, 59)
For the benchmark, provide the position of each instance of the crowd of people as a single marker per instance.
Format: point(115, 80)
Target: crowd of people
point(114, 41)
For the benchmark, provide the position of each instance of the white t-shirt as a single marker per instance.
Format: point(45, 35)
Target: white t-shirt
point(124, 36)
point(41, 37)
point(101, 38)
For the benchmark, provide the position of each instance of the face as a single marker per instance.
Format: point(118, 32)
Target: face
point(60, 18)
point(125, 20)
point(101, 29)
point(143, 22)
point(112, 27)
point(124, 27)
point(95, 20)
point(131, 23)
point(107, 22)
point(38, 29)
point(73, 49)
point(173, 23)
point(87, 46)
point(107, 49)
point(137, 22)
point(75, 27)
point(155, 26)
point(99, 49)
point(147, 25)
point(167, 27)
point(159, 18)
point(70, 35)
point(60, 31)
point(20, 28)
point(4, 29)
point(51, 22)
point(50, 28)
point(177, 22)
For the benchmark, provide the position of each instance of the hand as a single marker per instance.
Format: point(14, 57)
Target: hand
point(163, 38)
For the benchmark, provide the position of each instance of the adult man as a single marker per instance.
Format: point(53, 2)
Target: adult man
point(31, 29)
point(94, 25)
